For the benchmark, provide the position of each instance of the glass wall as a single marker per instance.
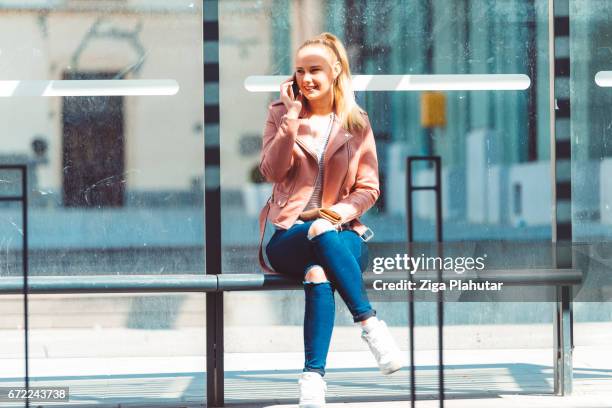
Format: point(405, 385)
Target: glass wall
point(115, 187)
point(494, 149)
point(494, 144)
point(591, 159)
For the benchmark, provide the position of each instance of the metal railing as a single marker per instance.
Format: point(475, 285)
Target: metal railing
point(229, 282)
point(215, 284)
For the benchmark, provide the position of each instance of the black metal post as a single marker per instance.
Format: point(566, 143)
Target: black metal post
point(561, 153)
point(409, 220)
point(439, 239)
point(24, 257)
point(437, 188)
point(23, 198)
point(212, 159)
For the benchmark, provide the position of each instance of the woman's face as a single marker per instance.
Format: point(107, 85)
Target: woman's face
point(315, 71)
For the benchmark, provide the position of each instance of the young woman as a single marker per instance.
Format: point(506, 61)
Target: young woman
point(319, 151)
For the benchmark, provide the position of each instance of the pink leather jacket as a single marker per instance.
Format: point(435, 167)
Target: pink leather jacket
point(350, 185)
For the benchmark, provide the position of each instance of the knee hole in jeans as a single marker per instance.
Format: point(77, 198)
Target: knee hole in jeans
point(315, 274)
point(319, 227)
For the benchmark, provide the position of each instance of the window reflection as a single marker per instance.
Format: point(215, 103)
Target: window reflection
point(115, 182)
point(115, 187)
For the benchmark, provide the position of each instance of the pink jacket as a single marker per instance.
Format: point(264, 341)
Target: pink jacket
point(350, 185)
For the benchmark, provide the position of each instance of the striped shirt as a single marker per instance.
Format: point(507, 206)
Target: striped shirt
point(315, 198)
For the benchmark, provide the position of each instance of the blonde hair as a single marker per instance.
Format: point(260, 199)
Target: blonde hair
point(350, 114)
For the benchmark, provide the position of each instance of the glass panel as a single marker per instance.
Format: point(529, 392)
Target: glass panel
point(591, 162)
point(590, 121)
point(12, 307)
point(12, 346)
point(120, 348)
point(115, 181)
point(494, 150)
point(264, 350)
point(502, 347)
point(115, 186)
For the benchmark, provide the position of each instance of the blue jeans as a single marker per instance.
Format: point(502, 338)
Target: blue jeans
point(343, 256)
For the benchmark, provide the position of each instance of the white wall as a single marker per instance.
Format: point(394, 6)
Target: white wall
point(162, 149)
point(483, 151)
point(497, 199)
point(605, 172)
point(245, 50)
point(536, 194)
point(483, 191)
point(395, 181)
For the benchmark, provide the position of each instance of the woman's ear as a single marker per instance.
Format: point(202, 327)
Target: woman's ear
point(337, 70)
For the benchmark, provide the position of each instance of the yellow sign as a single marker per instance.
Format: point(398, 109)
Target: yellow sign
point(433, 109)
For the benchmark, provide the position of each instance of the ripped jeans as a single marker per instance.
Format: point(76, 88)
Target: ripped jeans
point(343, 256)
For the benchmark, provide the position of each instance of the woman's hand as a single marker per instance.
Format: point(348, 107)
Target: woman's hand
point(309, 215)
point(293, 104)
point(321, 214)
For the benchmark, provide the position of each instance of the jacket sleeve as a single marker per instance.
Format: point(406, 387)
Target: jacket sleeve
point(365, 191)
point(277, 148)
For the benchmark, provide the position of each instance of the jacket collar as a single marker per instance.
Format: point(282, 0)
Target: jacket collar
point(337, 138)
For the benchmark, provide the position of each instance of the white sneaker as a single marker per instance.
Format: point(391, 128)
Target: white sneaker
point(384, 348)
point(312, 390)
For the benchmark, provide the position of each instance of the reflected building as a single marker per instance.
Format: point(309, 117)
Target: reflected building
point(105, 151)
point(115, 182)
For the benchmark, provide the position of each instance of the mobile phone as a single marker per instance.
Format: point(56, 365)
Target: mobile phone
point(295, 88)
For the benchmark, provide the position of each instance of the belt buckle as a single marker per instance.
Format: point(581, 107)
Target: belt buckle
point(367, 235)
